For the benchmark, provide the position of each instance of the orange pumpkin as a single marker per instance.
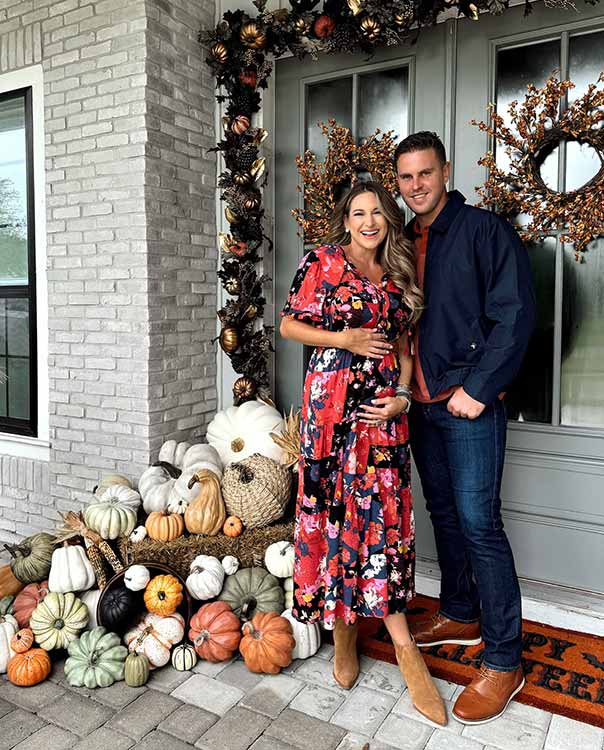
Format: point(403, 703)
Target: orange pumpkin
point(232, 526)
point(27, 600)
point(29, 668)
point(267, 643)
point(164, 526)
point(9, 585)
point(163, 594)
point(215, 632)
point(22, 640)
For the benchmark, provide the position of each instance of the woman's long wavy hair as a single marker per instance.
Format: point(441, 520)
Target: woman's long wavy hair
point(395, 254)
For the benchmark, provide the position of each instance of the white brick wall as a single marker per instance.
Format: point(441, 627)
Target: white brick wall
point(130, 239)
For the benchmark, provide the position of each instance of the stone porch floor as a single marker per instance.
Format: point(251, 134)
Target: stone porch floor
point(226, 707)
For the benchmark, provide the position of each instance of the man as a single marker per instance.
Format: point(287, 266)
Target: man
point(479, 314)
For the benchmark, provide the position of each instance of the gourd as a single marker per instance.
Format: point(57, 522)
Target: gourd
point(252, 590)
point(230, 564)
point(70, 570)
point(139, 533)
point(96, 659)
point(31, 557)
point(109, 518)
point(9, 585)
point(121, 495)
point(173, 452)
point(163, 595)
point(164, 526)
point(206, 577)
point(58, 619)
point(184, 657)
point(8, 628)
point(215, 632)
point(119, 608)
point(109, 481)
point(206, 513)
point(307, 637)
point(136, 669)
point(279, 559)
point(288, 588)
point(136, 577)
point(27, 600)
point(91, 600)
point(29, 668)
point(267, 643)
point(155, 486)
point(22, 640)
point(155, 635)
point(233, 527)
point(239, 431)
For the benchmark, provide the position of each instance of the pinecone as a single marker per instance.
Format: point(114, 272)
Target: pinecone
point(246, 157)
point(343, 37)
point(246, 101)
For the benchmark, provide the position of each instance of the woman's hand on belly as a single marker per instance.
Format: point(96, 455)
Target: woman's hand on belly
point(365, 341)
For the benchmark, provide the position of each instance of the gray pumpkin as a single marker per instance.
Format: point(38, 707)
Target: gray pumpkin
point(31, 557)
point(252, 590)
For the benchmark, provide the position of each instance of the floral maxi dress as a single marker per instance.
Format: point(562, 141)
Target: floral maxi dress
point(354, 535)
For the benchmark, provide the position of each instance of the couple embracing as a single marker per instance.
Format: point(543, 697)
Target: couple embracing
point(417, 332)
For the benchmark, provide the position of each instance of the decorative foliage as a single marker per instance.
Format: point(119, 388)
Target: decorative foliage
point(538, 129)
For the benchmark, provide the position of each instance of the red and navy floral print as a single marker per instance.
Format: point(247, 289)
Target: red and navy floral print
point(354, 537)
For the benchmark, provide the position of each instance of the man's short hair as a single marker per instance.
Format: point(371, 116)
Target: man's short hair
point(421, 141)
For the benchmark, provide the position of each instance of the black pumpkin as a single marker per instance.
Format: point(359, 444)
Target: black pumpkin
point(120, 609)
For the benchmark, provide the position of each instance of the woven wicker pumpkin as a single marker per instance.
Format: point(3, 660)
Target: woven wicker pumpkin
point(256, 490)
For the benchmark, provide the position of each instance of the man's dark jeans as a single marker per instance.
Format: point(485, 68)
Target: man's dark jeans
point(460, 463)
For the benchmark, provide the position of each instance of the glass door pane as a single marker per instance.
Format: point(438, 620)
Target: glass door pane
point(327, 100)
point(384, 102)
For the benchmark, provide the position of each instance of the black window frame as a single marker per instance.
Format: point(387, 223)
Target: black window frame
point(11, 425)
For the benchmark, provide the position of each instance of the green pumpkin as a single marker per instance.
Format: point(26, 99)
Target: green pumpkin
point(96, 659)
point(31, 557)
point(136, 671)
point(252, 590)
point(58, 619)
point(6, 605)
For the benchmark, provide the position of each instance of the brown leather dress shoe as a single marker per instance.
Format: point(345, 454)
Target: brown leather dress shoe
point(440, 629)
point(488, 695)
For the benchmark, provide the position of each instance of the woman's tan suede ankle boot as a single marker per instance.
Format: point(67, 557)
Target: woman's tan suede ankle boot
point(346, 659)
point(422, 689)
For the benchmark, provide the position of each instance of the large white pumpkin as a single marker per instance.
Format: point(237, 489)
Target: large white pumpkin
point(70, 570)
point(155, 486)
point(8, 627)
point(155, 635)
point(240, 431)
point(279, 559)
point(173, 452)
point(206, 577)
point(307, 637)
point(197, 457)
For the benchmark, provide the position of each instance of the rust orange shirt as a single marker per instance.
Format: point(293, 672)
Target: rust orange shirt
point(419, 389)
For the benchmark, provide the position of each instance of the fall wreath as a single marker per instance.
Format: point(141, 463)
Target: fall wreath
point(538, 128)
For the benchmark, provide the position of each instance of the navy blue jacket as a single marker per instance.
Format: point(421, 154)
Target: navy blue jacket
point(479, 302)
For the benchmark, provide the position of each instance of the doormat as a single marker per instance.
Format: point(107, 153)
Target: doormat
point(564, 669)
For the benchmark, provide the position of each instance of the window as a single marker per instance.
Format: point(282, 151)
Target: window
point(18, 350)
point(561, 380)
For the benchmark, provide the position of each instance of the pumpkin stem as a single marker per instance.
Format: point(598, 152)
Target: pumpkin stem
point(194, 479)
point(249, 604)
point(10, 548)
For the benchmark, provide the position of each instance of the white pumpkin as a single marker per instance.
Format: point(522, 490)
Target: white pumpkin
point(288, 587)
point(173, 452)
point(307, 637)
point(109, 518)
point(240, 431)
point(136, 577)
point(206, 577)
point(155, 486)
point(201, 456)
point(154, 636)
point(70, 570)
point(91, 600)
point(8, 627)
point(230, 564)
point(184, 657)
point(125, 496)
point(177, 504)
point(139, 533)
point(279, 559)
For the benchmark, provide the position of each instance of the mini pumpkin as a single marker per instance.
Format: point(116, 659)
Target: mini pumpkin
point(252, 590)
point(27, 600)
point(184, 657)
point(206, 577)
point(139, 533)
point(288, 588)
point(96, 659)
point(155, 635)
point(31, 557)
point(29, 668)
point(267, 643)
point(163, 595)
point(165, 526)
point(279, 559)
point(215, 632)
point(232, 527)
point(22, 640)
point(136, 670)
point(230, 564)
point(58, 619)
point(136, 577)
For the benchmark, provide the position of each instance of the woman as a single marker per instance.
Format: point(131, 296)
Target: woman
point(355, 300)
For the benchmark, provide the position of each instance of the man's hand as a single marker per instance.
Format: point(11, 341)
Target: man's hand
point(462, 405)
